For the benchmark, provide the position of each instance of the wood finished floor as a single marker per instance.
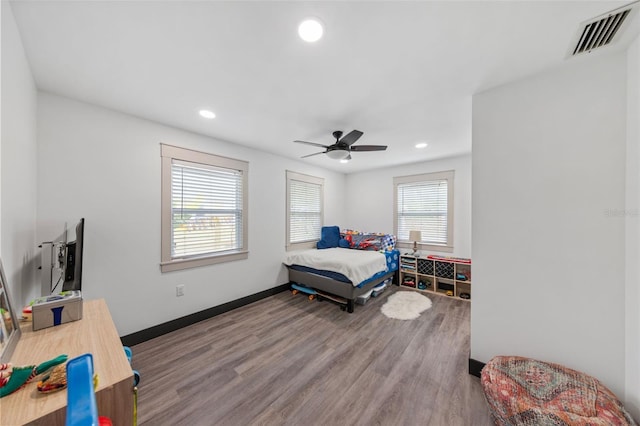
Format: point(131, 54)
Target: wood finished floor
point(287, 361)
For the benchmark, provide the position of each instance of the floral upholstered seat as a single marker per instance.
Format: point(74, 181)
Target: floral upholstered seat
point(524, 391)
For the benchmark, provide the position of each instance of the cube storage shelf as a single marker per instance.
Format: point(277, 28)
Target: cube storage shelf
point(445, 276)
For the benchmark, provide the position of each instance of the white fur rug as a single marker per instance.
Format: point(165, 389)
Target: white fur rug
point(405, 305)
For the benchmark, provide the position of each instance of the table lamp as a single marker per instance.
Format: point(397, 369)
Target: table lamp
point(415, 236)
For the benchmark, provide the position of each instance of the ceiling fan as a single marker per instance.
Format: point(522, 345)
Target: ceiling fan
point(341, 150)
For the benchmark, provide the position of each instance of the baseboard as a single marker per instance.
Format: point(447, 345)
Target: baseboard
point(475, 367)
point(176, 324)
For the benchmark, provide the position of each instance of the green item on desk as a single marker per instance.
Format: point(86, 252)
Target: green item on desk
point(20, 376)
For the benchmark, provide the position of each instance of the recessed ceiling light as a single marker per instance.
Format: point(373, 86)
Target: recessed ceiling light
point(310, 30)
point(207, 114)
point(421, 145)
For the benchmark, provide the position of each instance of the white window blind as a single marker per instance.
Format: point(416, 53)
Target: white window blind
point(304, 209)
point(206, 209)
point(424, 203)
point(204, 214)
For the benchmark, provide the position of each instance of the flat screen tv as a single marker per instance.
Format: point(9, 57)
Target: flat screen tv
point(73, 264)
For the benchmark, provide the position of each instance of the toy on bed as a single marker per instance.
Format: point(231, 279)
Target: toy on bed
point(369, 241)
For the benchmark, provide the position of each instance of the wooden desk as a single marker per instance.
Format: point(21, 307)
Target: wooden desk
point(95, 333)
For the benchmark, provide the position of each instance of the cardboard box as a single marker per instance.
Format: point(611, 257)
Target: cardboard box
point(57, 309)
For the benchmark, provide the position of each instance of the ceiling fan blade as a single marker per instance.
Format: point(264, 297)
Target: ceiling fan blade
point(368, 148)
point(312, 143)
point(351, 137)
point(311, 155)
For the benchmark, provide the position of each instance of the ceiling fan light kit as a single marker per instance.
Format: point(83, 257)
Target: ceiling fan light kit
point(338, 154)
point(341, 150)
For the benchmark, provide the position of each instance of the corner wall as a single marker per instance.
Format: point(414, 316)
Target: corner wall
point(370, 198)
point(105, 166)
point(1, 38)
point(548, 240)
point(632, 233)
point(18, 167)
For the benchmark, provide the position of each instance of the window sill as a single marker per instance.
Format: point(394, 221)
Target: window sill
point(179, 264)
point(302, 246)
point(427, 247)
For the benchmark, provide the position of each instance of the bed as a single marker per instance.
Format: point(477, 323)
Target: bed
point(343, 272)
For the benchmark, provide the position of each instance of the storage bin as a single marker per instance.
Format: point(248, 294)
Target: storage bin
point(362, 299)
point(379, 288)
point(57, 309)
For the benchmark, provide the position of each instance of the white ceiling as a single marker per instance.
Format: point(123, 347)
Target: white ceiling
point(401, 72)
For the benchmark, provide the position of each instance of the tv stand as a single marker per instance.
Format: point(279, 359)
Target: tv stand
point(95, 333)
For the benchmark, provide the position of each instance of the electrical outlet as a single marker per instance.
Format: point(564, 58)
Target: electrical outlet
point(180, 290)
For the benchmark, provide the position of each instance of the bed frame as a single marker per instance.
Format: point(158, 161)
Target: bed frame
point(338, 288)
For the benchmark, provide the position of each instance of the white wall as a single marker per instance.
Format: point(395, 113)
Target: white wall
point(370, 198)
point(17, 164)
point(548, 247)
point(2, 25)
point(105, 166)
point(632, 232)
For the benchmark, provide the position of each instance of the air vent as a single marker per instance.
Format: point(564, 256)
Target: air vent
point(601, 31)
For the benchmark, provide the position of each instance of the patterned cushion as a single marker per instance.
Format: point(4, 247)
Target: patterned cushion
point(523, 391)
point(368, 241)
point(388, 242)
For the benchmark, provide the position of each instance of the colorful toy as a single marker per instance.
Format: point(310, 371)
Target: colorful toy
point(409, 281)
point(423, 285)
point(56, 380)
point(295, 289)
point(27, 313)
point(5, 373)
point(20, 376)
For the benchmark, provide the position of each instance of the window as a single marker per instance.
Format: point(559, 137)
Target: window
point(204, 209)
point(425, 203)
point(305, 195)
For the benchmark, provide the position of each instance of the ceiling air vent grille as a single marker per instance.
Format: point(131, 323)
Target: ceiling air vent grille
point(600, 31)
